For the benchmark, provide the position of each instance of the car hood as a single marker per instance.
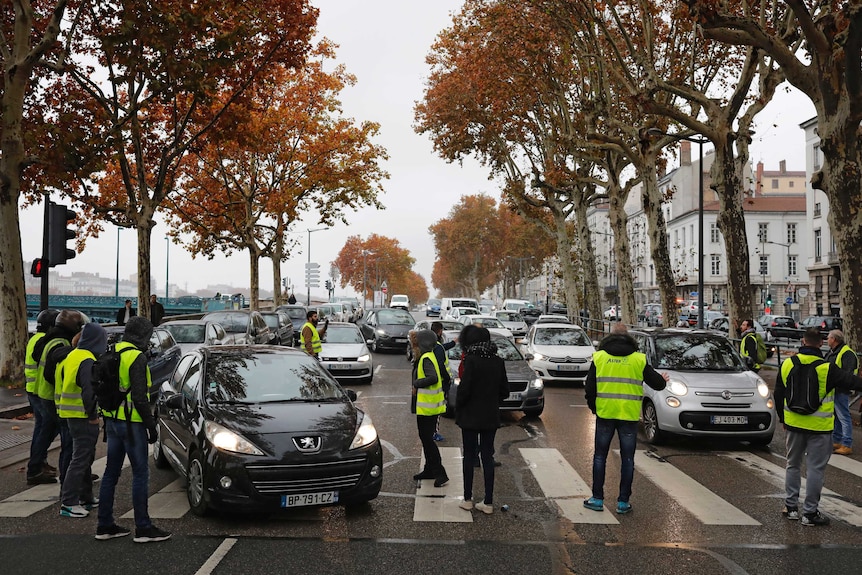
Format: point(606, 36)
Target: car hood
point(714, 380)
point(336, 350)
point(514, 324)
point(394, 330)
point(188, 347)
point(515, 370)
point(573, 351)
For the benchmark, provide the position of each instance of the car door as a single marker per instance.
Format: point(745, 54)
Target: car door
point(163, 356)
point(170, 420)
point(186, 416)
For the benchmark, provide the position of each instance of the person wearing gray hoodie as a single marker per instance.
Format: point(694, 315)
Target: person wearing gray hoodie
point(77, 409)
point(430, 402)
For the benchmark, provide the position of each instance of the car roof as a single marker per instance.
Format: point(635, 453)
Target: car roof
point(557, 324)
point(186, 322)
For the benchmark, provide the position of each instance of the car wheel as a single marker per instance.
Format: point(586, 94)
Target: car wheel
point(534, 411)
point(654, 435)
point(374, 347)
point(195, 485)
point(159, 459)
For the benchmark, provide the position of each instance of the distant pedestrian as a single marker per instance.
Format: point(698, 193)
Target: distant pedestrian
point(77, 409)
point(429, 403)
point(125, 313)
point(808, 436)
point(482, 389)
point(309, 336)
point(292, 299)
point(845, 358)
point(157, 310)
point(38, 470)
point(614, 393)
point(128, 431)
point(749, 342)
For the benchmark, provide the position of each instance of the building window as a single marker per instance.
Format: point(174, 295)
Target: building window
point(764, 265)
point(714, 233)
point(817, 209)
point(774, 184)
point(791, 266)
point(817, 249)
point(790, 184)
point(791, 233)
point(817, 157)
point(716, 264)
point(762, 232)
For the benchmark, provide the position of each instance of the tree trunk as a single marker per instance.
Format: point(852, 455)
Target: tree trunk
point(587, 256)
point(278, 296)
point(568, 268)
point(659, 249)
point(254, 276)
point(144, 270)
point(625, 286)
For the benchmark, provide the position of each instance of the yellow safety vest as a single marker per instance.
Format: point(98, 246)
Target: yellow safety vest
point(44, 388)
point(846, 349)
point(430, 400)
point(31, 364)
point(619, 385)
point(70, 403)
point(126, 361)
point(744, 353)
point(316, 346)
point(824, 418)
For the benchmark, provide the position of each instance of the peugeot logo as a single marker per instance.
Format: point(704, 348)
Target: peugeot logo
point(309, 444)
point(726, 395)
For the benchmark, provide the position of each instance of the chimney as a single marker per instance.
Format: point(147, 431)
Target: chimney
point(782, 166)
point(758, 182)
point(685, 153)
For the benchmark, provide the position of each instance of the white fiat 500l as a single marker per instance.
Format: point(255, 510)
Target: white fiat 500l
point(711, 392)
point(559, 351)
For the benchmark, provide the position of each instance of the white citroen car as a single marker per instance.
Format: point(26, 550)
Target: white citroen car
point(559, 351)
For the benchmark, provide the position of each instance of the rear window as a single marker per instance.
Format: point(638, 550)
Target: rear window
point(231, 322)
point(187, 333)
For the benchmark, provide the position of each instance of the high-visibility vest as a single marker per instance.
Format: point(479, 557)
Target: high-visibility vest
point(44, 388)
point(824, 418)
point(619, 385)
point(430, 400)
point(744, 353)
point(70, 403)
point(316, 346)
point(126, 361)
point(31, 364)
point(846, 349)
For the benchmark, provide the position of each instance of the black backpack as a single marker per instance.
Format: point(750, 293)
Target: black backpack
point(803, 387)
point(106, 379)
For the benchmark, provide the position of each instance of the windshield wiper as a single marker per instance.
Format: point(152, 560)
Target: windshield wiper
point(230, 402)
point(305, 400)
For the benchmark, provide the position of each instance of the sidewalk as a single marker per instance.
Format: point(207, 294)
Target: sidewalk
point(13, 402)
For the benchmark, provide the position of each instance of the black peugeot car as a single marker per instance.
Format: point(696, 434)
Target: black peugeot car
point(262, 428)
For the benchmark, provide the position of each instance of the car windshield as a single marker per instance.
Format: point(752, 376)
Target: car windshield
point(395, 317)
point(561, 336)
point(231, 322)
point(468, 311)
point(271, 320)
point(509, 316)
point(506, 350)
point(295, 313)
point(696, 352)
point(432, 302)
point(187, 333)
point(255, 377)
point(489, 322)
point(343, 335)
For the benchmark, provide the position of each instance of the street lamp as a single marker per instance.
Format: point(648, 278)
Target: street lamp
point(787, 263)
point(700, 141)
point(117, 281)
point(365, 254)
point(167, 266)
point(308, 283)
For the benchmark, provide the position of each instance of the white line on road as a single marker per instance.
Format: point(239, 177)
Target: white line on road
point(441, 503)
point(214, 559)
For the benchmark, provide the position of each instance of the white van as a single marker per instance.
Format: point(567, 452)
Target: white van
point(449, 303)
point(400, 301)
point(516, 304)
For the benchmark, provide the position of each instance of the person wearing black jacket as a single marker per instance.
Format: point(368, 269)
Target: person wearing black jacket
point(614, 393)
point(125, 313)
point(440, 349)
point(483, 388)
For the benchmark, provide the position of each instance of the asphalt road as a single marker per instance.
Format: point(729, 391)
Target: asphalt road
point(675, 526)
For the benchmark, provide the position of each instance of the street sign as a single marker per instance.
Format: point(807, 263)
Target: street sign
point(312, 266)
point(788, 300)
point(383, 288)
point(312, 274)
point(802, 292)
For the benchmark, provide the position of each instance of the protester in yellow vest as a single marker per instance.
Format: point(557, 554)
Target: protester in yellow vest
point(47, 473)
point(748, 342)
point(309, 337)
point(845, 358)
point(429, 403)
point(76, 407)
point(809, 436)
point(614, 393)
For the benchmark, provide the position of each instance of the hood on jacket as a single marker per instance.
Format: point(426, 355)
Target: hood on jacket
point(138, 332)
point(94, 338)
point(426, 339)
point(618, 344)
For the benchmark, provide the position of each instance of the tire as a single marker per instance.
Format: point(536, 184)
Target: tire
point(159, 459)
point(654, 435)
point(534, 411)
point(195, 490)
point(374, 348)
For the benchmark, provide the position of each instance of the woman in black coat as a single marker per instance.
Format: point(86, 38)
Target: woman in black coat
point(477, 411)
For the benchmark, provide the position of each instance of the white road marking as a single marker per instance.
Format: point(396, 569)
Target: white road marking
point(441, 503)
point(221, 551)
point(168, 503)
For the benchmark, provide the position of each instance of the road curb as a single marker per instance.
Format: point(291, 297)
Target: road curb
point(13, 411)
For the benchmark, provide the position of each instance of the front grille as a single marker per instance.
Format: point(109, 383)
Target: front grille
point(307, 477)
point(349, 372)
point(719, 393)
point(337, 359)
point(567, 374)
point(567, 359)
point(726, 405)
point(517, 386)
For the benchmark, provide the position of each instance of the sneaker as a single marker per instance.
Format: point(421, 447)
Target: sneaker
point(466, 504)
point(49, 469)
point(594, 504)
point(485, 508)
point(41, 479)
point(497, 463)
point(843, 450)
point(438, 437)
point(89, 504)
point(94, 477)
point(111, 532)
point(151, 534)
point(836, 446)
point(623, 507)
point(441, 480)
point(814, 519)
point(791, 513)
point(73, 511)
point(423, 475)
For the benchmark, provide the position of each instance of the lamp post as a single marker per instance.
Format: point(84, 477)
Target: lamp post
point(786, 263)
point(365, 254)
point(167, 267)
point(308, 283)
point(700, 141)
point(117, 281)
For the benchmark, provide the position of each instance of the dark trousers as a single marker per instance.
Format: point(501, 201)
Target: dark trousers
point(427, 425)
point(78, 483)
point(628, 433)
point(49, 430)
point(481, 443)
point(122, 443)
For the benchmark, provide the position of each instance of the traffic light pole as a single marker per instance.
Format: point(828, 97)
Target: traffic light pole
point(43, 297)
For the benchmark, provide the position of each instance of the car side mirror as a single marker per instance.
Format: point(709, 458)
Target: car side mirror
point(174, 401)
point(529, 357)
point(350, 394)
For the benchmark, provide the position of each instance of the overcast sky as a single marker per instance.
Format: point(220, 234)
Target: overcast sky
point(383, 43)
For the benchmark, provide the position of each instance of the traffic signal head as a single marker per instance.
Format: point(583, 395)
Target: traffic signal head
point(328, 284)
point(58, 234)
point(37, 268)
point(769, 299)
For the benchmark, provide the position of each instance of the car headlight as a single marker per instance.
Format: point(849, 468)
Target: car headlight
point(366, 357)
point(677, 387)
point(365, 435)
point(762, 389)
point(538, 356)
point(537, 384)
point(381, 332)
point(226, 440)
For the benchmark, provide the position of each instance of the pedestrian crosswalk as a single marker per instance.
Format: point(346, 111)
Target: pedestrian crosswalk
point(559, 483)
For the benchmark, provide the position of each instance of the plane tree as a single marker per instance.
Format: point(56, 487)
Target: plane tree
point(366, 264)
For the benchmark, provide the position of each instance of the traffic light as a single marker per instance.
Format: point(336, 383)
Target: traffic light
point(328, 285)
point(769, 299)
point(37, 268)
point(58, 234)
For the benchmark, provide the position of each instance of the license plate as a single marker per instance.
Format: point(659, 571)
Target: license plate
point(729, 419)
point(514, 397)
point(338, 366)
point(305, 499)
point(400, 340)
point(568, 367)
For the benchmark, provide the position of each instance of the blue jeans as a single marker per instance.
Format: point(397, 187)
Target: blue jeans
point(478, 444)
point(628, 434)
point(120, 444)
point(48, 431)
point(843, 431)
